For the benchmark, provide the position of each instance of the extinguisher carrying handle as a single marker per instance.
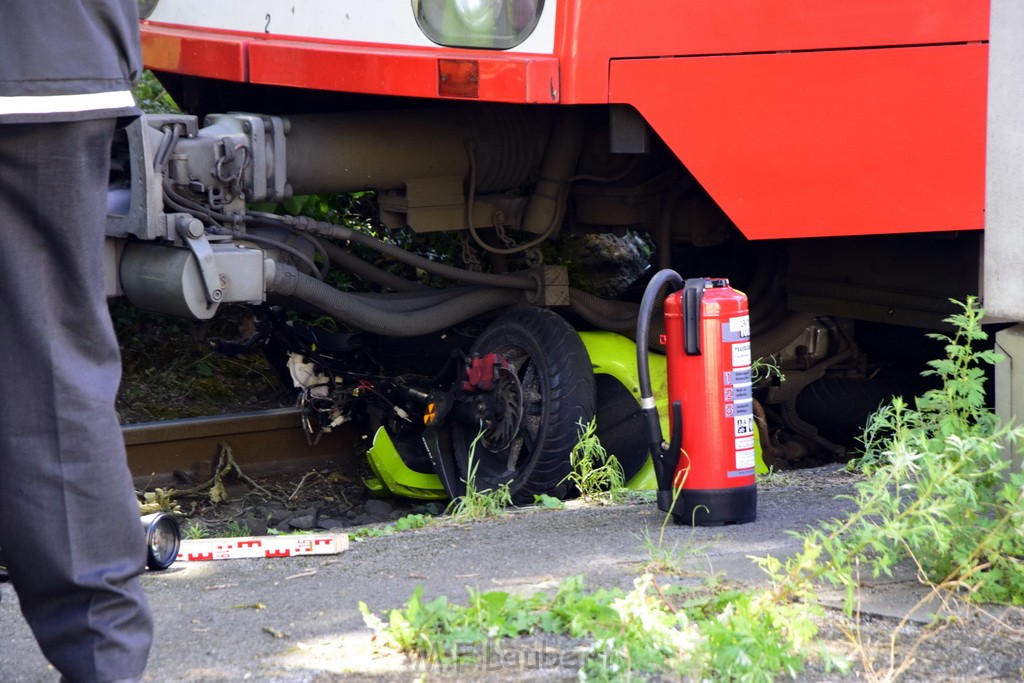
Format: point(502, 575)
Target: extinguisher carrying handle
point(693, 295)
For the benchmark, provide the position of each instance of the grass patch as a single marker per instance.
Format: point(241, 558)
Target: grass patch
point(406, 523)
point(479, 503)
point(709, 632)
point(595, 474)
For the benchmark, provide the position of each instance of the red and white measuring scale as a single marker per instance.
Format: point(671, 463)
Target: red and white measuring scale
point(294, 545)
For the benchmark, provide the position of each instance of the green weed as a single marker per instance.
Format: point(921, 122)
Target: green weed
point(151, 96)
point(668, 559)
point(764, 370)
point(293, 532)
point(410, 521)
point(236, 528)
point(595, 473)
point(702, 633)
point(195, 530)
point(940, 491)
point(941, 498)
point(476, 503)
point(548, 502)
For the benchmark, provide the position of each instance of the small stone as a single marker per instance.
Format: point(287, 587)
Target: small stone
point(257, 527)
point(328, 523)
point(302, 522)
point(378, 508)
point(280, 517)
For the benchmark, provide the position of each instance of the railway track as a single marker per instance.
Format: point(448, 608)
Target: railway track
point(262, 442)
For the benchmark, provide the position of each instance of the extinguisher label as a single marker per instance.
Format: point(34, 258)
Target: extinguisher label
point(744, 425)
point(740, 392)
point(739, 408)
point(737, 329)
point(737, 376)
point(745, 459)
point(744, 443)
point(741, 354)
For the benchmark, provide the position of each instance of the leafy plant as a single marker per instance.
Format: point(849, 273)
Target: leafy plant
point(236, 528)
point(548, 502)
point(410, 521)
point(595, 473)
point(956, 408)
point(293, 532)
point(475, 503)
point(703, 633)
point(940, 494)
point(195, 530)
point(664, 558)
point(766, 369)
point(151, 96)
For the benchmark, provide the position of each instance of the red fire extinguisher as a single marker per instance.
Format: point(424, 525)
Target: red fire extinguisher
point(706, 472)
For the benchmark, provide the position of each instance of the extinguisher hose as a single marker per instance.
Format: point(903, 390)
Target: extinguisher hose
point(665, 465)
point(647, 404)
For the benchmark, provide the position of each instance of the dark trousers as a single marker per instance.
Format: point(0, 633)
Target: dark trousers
point(69, 521)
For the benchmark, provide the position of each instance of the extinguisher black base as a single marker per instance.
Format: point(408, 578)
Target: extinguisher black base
point(710, 507)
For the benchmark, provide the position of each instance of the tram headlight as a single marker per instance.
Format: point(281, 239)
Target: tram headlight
point(163, 538)
point(479, 15)
point(498, 24)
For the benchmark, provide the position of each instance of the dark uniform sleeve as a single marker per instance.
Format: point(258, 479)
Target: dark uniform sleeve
point(66, 47)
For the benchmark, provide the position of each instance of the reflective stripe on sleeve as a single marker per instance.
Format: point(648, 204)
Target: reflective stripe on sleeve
point(65, 104)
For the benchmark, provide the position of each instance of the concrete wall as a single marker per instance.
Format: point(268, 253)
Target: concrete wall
point(1003, 285)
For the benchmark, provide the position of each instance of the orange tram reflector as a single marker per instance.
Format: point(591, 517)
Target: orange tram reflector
point(458, 78)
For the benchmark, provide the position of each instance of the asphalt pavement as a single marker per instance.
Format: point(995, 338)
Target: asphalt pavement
point(295, 619)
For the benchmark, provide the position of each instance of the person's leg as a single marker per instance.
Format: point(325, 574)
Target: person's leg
point(69, 521)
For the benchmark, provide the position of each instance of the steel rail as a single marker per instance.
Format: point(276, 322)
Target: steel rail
point(261, 442)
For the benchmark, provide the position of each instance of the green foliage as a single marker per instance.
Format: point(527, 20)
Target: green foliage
point(595, 473)
point(151, 96)
point(358, 211)
point(665, 558)
point(236, 528)
point(766, 369)
point(293, 532)
point(941, 493)
point(477, 503)
point(548, 502)
point(710, 633)
point(195, 530)
point(410, 521)
point(956, 408)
